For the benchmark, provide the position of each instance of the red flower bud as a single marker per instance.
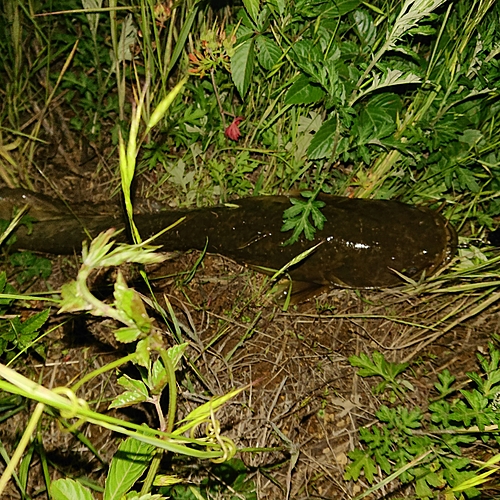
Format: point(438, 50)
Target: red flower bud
point(233, 131)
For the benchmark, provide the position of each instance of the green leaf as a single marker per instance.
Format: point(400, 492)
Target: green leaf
point(71, 302)
point(68, 489)
point(422, 487)
point(128, 398)
point(471, 137)
point(134, 385)
point(33, 266)
point(446, 380)
point(303, 91)
point(128, 465)
point(365, 27)
point(159, 377)
point(268, 52)
point(34, 323)
point(297, 217)
point(176, 352)
point(143, 353)
point(323, 141)
point(252, 7)
point(362, 462)
point(242, 65)
point(126, 335)
point(131, 303)
point(379, 366)
point(308, 8)
point(378, 118)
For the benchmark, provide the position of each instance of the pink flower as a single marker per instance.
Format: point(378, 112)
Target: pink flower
point(233, 131)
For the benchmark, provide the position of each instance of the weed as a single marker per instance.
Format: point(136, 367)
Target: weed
point(426, 446)
point(157, 375)
point(380, 99)
point(414, 119)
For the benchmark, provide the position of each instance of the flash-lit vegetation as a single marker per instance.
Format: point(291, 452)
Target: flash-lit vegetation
point(125, 371)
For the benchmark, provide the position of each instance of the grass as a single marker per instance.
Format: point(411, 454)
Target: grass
point(385, 100)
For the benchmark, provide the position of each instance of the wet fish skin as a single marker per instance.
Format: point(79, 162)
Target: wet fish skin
point(362, 242)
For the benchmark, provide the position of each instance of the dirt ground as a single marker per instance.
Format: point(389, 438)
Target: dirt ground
point(303, 397)
point(303, 400)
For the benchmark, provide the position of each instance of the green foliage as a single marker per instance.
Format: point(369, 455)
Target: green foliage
point(153, 382)
point(382, 368)
point(156, 365)
point(29, 266)
point(17, 335)
point(297, 217)
point(233, 474)
point(69, 489)
point(22, 334)
point(386, 100)
point(413, 119)
point(427, 451)
point(128, 465)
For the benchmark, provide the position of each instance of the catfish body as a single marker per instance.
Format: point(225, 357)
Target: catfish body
point(361, 245)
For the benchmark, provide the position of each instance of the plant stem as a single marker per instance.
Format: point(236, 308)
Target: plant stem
point(16, 457)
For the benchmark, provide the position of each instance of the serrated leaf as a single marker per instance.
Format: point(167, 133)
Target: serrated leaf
point(303, 91)
point(127, 334)
point(142, 352)
point(128, 398)
point(242, 65)
point(296, 217)
point(365, 27)
point(130, 302)
point(422, 488)
point(317, 215)
point(252, 7)
point(69, 489)
point(134, 385)
point(34, 323)
point(446, 380)
point(364, 362)
point(71, 302)
point(268, 52)
point(159, 376)
point(127, 466)
point(176, 352)
point(362, 462)
point(378, 119)
point(322, 143)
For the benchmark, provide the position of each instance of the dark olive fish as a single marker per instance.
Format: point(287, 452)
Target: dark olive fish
point(364, 243)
